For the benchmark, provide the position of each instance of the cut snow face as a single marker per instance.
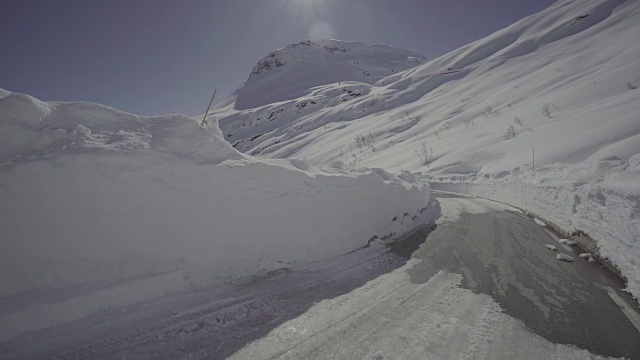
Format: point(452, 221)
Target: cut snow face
point(102, 208)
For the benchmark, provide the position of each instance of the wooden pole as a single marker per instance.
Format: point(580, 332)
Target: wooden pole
point(204, 119)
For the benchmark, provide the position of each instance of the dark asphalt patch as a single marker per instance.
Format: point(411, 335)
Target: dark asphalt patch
point(502, 254)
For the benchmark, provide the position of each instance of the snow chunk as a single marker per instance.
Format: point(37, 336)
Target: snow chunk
point(585, 255)
point(571, 243)
point(592, 260)
point(563, 241)
point(82, 130)
point(564, 257)
point(539, 222)
point(551, 247)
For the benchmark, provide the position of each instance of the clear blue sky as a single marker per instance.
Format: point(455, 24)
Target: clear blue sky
point(154, 57)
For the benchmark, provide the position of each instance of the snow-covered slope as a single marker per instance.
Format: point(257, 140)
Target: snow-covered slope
point(580, 57)
point(101, 208)
point(290, 72)
point(564, 81)
point(301, 79)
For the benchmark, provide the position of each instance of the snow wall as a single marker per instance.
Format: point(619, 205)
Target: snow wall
point(101, 208)
point(600, 199)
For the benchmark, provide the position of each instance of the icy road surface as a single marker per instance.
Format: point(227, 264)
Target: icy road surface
point(481, 286)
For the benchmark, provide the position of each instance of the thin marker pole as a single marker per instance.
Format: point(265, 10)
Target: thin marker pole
point(204, 119)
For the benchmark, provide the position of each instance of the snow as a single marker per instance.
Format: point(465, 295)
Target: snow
point(585, 255)
point(564, 257)
point(290, 72)
point(392, 317)
point(571, 243)
point(539, 222)
point(575, 166)
point(595, 198)
point(563, 241)
point(102, 208)
point(4, 93)
point(591, 260)
point(551, 247)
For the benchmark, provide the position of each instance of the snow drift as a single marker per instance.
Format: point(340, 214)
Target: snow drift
point(102, 208)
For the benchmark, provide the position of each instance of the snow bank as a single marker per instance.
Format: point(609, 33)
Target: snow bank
point(101, 208)
point(598, 198)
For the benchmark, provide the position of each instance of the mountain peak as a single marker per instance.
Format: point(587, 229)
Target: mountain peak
point(309, 49)
point(290, 72)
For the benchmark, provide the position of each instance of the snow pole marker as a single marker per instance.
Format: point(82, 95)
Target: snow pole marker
point(204, 119)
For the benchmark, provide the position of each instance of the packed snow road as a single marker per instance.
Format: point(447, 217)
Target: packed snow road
point(482, 285)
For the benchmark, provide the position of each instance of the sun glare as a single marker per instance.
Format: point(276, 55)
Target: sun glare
point(314, 12)
point(307, 8)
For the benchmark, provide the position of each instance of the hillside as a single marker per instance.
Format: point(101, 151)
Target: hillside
point(547, 106)
point(579, 57)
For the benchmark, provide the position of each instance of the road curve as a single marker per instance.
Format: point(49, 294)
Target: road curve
point(481, 285)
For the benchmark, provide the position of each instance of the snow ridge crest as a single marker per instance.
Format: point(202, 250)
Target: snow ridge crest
point(312, 49)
